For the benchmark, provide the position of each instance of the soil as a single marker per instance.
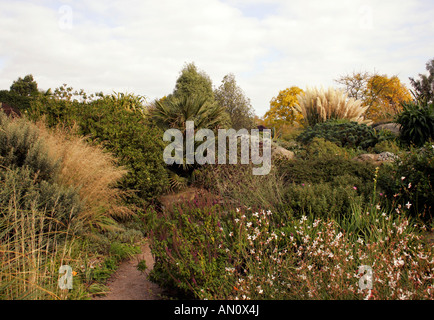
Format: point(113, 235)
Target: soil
point(128, 283)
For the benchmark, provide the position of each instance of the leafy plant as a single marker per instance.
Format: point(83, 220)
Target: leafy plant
point(417, 123)
point(410, 181)
point(342, 133)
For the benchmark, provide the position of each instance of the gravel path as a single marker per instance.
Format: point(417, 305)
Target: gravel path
point(128, 283)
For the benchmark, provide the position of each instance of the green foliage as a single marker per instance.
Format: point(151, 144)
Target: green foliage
point(324, 169)
point(323, 200)
point(231, 97)
point(174, 113)
point(387, 146)
point(20, 146)
point(122, 251)
point(22, 103)
point(141, 266)
point(25, 87)
point(424, 86)
point(125, 133)
point(417, 123)
point(188, 246)
point(319, 147)
point(343, 133)
point(236, 184)
point(411, 180)
point(193, 82)
point(137, 145)
point(19, 186)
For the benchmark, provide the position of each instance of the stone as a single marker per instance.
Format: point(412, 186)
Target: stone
point(395, 128)
point(282, 152)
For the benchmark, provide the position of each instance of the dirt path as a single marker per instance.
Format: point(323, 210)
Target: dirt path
point(128, 283)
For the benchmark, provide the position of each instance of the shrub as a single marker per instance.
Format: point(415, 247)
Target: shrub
point(319, 147)
point(136, 143)
point(410, 181)
point(324, 169)
point(90, 169)
point(22, 103)
point(215, 253)
point(236, 184)
point(21, 146)
point(387, 146)
point(188, 244)
point(318, 106)
point(323, 200)
point(344, 134)
point(417, 123)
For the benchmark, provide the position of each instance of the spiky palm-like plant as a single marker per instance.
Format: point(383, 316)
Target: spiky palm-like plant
point(173, 113)
point(319, 105)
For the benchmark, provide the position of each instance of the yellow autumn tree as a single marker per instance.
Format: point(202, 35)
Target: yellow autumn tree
point(282, 110)
point(385, 97)
point(382, 94)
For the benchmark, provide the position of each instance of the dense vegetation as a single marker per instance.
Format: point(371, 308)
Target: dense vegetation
point(82, 181)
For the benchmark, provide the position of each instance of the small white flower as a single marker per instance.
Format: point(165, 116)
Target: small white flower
point(408, 205)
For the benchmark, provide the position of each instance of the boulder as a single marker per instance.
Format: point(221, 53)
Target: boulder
point(281, 152)
point(395, 128)
point(377, 159)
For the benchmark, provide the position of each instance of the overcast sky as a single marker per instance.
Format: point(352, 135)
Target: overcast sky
point(141, 46)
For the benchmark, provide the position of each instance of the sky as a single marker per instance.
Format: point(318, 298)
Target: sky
point(141, 46)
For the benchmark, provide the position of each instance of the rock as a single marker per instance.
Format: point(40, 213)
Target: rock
point(366, 157)
point(282, 152)
point(392, 127)
point(387, 156)
point(377, 158)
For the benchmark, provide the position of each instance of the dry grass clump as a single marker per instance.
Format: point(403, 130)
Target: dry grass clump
point(319, 105)
point(89, 168)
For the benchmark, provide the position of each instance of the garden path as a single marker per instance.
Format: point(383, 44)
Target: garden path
point(128, 283)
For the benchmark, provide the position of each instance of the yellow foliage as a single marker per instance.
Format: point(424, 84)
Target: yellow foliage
point(282, 109)
point(384, 96)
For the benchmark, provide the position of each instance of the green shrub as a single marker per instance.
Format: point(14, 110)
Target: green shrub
point(417, 123)
point(411, 180)
point(236, 184)
point(319, 147)
point(324, 169)
point(189, 247)
point(21, 146)
point(344, 134)
point(387, 146)
point(15, 100)
point(125, 133)
point(323, 200)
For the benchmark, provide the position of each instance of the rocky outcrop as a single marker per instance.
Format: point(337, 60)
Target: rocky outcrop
point(392, 127)
point(281, 152)
point(377, 159)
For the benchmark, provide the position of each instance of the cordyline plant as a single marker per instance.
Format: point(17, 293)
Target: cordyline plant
point(319, 105)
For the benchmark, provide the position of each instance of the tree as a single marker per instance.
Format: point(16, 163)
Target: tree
point(192, 82)
point(25, 87)
point(384, 96)
point(424, 87)
point(232, 98)
point(282, 109)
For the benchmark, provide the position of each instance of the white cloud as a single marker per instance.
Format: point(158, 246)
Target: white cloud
point(140, 46)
